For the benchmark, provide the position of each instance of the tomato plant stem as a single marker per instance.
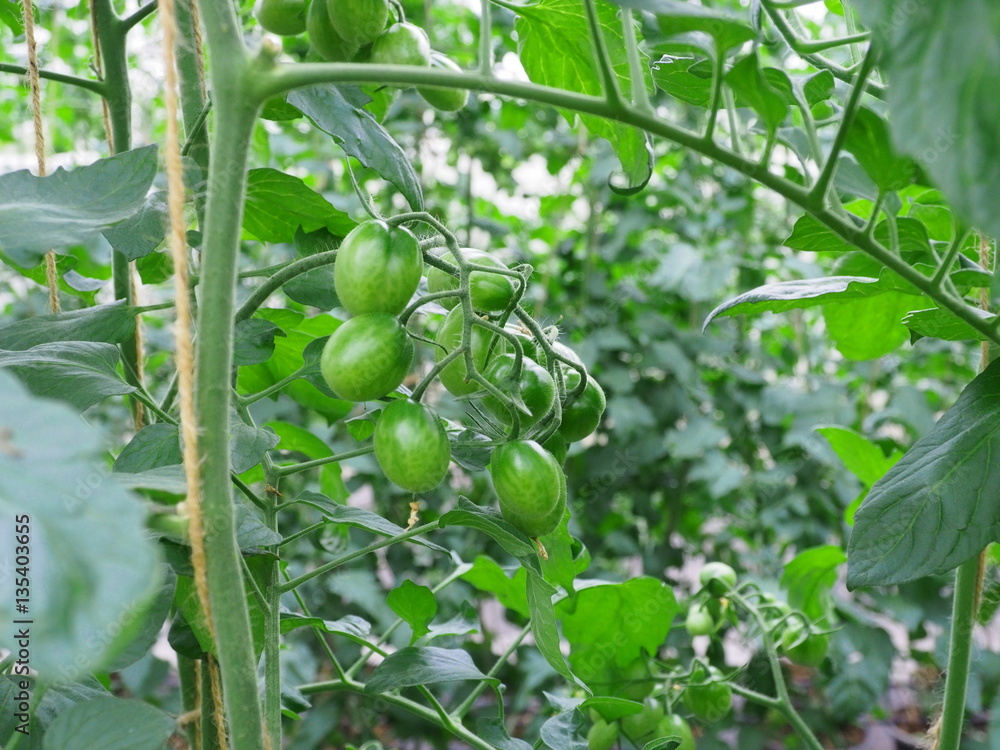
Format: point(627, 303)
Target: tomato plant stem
point(88, 84)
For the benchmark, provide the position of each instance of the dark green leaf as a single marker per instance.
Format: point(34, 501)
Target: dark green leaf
point(111, 324)
point(141, 233)
point(809, 579)
point(278, 204)
point(676, 17)
point(809, 234)
point(493, 731)
point(38, 214)
point(467, 454)
point(868, 140)
point(314, 288)
point(491, 523)
point(247, 445)
point(145, 627)
point(253, 341)
point(251, 532)
point(352, 626)
point(110, 724)
point(424, 666)
point(673, 742)
point(753, 90)
point(415, 604)
point(153, 446)
point(361, 136)
point(79, 372)
point(932, 511)
point(56, 698)
point(941, 324)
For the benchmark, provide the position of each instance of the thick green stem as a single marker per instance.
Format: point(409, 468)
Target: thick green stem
point(189, 694)
point(963, 618)
point(272, 620)
point(192, 97)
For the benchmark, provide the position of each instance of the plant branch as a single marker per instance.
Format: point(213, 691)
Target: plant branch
point(284, 471)
point(464, 706)
point(97, 87)
point(286, 274)
point(963, 619)
point(136, 18)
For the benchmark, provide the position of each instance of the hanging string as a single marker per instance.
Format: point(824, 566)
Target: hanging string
point(35, 84)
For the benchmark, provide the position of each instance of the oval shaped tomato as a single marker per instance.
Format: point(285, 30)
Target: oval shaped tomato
point(536, 386)
point(602, 735)
point(367, 357)
point(282, 17)
point(582, 417)
point(717, 577)
point(439, 97)
point(378, 268)
point(802, 646)
point(699, 620)
point(449, 336)
point(557, 446)
point(402, 44)
point(530, 485)
point(711, 700)
point(638, 726)
point(489, 292)
point(411, 446)
point(324, 38)
point(674, 726)
point(358, 22)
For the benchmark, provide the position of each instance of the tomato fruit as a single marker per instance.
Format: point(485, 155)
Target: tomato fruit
point(602, 735)
point(717, 577)
point(489, 292)
point(411, 446)
point(802, 646)
point(699, 620)
point(367, 357)
point(582, 417)
point(282, 17)
point(536, 386)
point(637, 726)
point(712, 700)
point(557, 446)
point(449, 336)
point(358, 22)
point(401, 44)
point(324, 38)
point(674, 726)
point(378, 268)
point(439, 97)
point(530, 485)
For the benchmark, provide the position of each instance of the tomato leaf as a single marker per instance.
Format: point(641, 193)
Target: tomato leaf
point(253, 341)
point(415, 604)
point(112, 324)
point(426, 665)
point(809, 577)
point(141, 233)
point(110, 723)
point(279, 204)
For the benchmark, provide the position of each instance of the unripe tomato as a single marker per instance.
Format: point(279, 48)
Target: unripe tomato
point(358, 22)
point(439, 97)
point(402, 44)
point(529, 347)
point(411, 446)
point(718, 577)
point(324, 38)
point(638, 726)
point(489, 292)
point(712, 700)
point(282, 17)
point(699, 620)
point(367, 357)
point(674, 726)
point(536, 386)
point(449, 336)
point(582, 417)
point(802, 646)
point(378, 269)
point(530, 485)
point(603, 735)
point(556, 445)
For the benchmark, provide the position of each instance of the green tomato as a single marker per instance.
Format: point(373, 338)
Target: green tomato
point(282, 17)
point(411, 446)
point(637, 726)
point(529, 347)
point(802, 646)
point(603, 735)
point(699, 620)
point(489, 292)
point(530, 485)
point(324, 38)
point(582, 417)
point(439, 97)
point(557, 446)
point(449, 336)
point(378, 269)
point(536, 386)
point(674, 726)
point(712, 700)
point(358, 22)
point(367, 357)
point(402, 44)
point(718, 577)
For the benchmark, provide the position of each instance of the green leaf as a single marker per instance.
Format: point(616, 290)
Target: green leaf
point(112, 324)
point(554, 44)
point(38, 214)
point(356, 628)
point(415, 604)
point(313, 288)
point(141, 233)
point(634, 615)
point(110, 724)
point(800, 294)
point(863, 458)
point(611, 708)
point(151, 447)
point(253, 341)
point(247, 445)
point(278, 204)
point(942, 98)
point(337, 112)
point(55, 699)
point(427, 665)
point(561, 565)
point(869, 328)
point(87, 534)
point(809, 234)
point(78, 372)
point(809, 578)
point(933, 510)
point(868, 140)
point(10, 16)
point(687, 79)
point(251, 532)
point(941, 324)
point(487, 575)
point(727, 29)
point(753, 90)
point(494, 732)
point(136, 640)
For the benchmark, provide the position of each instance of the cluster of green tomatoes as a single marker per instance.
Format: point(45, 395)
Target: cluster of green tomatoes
point(528, 395)
point(362, 31)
